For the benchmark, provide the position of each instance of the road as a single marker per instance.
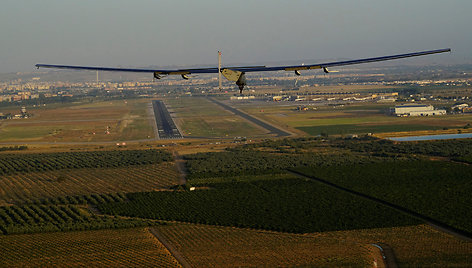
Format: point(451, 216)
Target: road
point(166, 128)
point(278, 132)
point(177, 255)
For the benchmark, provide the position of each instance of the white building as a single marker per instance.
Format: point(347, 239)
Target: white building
point(416, 110)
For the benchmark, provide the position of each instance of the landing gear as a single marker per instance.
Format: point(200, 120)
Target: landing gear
point(241, 83)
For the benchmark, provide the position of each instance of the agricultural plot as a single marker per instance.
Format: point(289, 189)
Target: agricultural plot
point(16, 163)
point(289, 205)
point(199, 117)
point(458, 150)
point(111, 248)
point(27, 187)
point(252, 162)
point(54, 218)
point(414, 246)
point(437, 189)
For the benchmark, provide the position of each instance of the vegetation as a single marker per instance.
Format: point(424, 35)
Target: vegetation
point(14, 148)
point(53, 218)
point(289, 205)
point(414, 246)
point(439, 190)
point(14, 163)
point(362, 129)
point(458, 149)
point(201, 118)
point(29, 187)
point(250, 162)
point(135, 247)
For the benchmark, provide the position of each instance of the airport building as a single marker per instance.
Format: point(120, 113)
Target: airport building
point(416, 110)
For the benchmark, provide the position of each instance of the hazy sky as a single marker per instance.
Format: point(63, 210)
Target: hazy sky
point(146, 32)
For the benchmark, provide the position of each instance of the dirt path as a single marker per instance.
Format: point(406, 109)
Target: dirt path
point(388, 257)
point(180, 164)
point(179, 257)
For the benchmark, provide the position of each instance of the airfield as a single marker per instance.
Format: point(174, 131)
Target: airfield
point(196, 180)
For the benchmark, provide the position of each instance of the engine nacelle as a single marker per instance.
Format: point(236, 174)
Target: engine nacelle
point(297, 72)
point(185, 76)
point(157, 76)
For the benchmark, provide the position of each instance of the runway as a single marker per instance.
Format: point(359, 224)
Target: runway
point(278, 132)
point(166, 128)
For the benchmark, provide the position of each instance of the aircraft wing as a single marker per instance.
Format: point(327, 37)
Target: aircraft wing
point(236, 73)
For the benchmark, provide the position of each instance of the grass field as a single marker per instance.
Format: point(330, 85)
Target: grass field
point(350, 119)
point(414, 246)
point(110, 248)
point(125, 120)
point(24, 187)
point(201, 118)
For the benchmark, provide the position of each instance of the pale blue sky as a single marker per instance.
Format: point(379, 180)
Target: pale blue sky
point(145, 32)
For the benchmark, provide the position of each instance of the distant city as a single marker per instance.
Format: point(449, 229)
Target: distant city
point(33, 86)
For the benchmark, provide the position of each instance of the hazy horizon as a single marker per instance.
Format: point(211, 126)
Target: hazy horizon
point(164, 33)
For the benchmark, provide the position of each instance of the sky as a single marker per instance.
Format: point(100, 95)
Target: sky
point(185, 33)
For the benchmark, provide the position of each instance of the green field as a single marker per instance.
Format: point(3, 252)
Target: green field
point(363, 129)
point(199, 117)
point(124, 120)
point(349, 119)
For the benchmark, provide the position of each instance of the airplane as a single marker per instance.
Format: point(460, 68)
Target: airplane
point(238, 73)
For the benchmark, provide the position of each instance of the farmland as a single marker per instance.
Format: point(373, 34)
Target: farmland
point(27, 187)
point(240, 205)
point(414, 246)
point(125, 247)
point(432, 188)
point(55, 218)
point(288, 205)
point(14, 163)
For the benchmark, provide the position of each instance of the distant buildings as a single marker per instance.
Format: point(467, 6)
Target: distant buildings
point(416, 110)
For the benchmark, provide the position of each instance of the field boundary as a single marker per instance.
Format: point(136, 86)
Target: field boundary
point(430, 221)
point(175, 253)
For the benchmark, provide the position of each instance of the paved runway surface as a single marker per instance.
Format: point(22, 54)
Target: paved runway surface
point(271, 128)
point(166, 127)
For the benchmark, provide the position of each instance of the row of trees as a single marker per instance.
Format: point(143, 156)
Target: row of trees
point(13, 163)
point(92, 199)
point(50, 218)
point(290, 205)
point(447, 148)
point(437, 189)
point(249, 162)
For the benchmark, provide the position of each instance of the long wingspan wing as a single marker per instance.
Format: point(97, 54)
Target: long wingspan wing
point(342, 63)
point(237, 73)
point(247, 68)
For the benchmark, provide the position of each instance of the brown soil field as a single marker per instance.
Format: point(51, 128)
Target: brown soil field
point(416, 246)
point(103, 248)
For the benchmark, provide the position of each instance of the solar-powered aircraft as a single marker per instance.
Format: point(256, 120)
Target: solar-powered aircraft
point(238, 73)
